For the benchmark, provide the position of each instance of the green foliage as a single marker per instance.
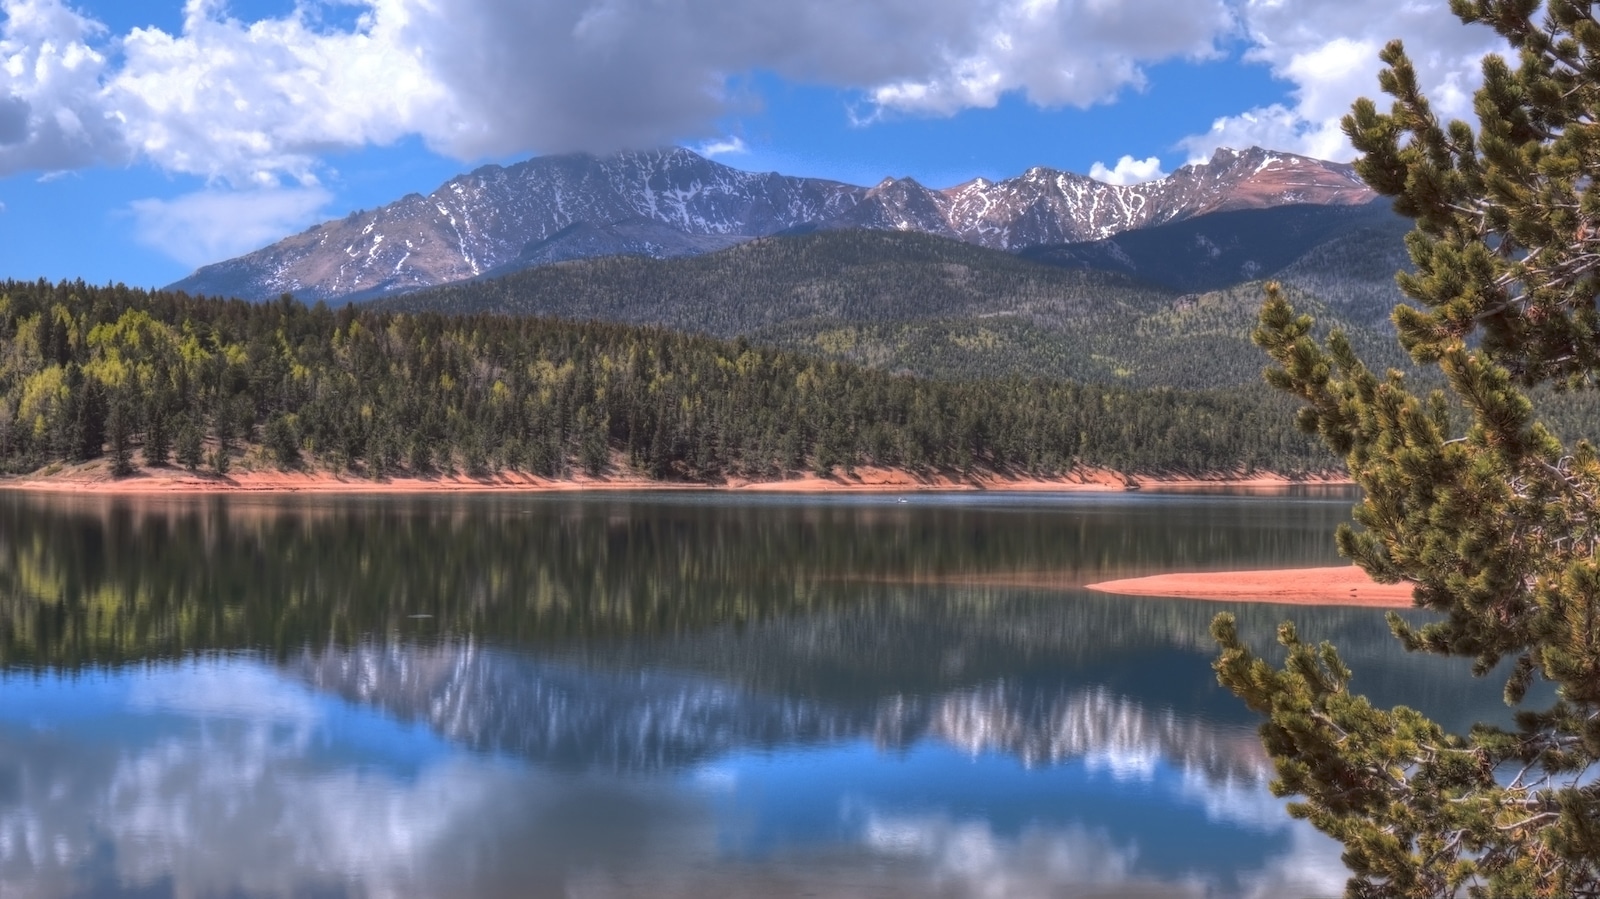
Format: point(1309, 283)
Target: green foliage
point(119, 427)
point(1496, 525)
point(383, 392)
point(158, 432)
point(1217, 250)
point(1353, 274)
point(190, 449)
point(282, 440)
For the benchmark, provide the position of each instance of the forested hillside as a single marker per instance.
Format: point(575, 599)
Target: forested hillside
point(162, 378)
point(1211, 252)
point(931, 307)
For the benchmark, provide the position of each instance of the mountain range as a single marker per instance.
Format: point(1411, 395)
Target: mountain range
point(673, 203)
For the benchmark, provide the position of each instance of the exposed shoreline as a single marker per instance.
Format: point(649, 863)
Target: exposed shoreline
point(1345, 585)
point(95, 477)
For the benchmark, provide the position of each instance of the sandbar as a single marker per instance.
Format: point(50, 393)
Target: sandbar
point(1345, 585)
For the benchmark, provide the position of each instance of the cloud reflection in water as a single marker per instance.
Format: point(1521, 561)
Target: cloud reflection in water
point(229, 775)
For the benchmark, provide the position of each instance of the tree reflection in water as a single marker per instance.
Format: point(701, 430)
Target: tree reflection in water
point(646, 695)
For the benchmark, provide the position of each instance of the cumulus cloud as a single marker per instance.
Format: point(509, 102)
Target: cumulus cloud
point(52, 114)
point(1329, 53)
point(1128, 171)
point(258, 104)
point(251, 103)
point(1059, 53)
point(14, 112)
point(208, 225)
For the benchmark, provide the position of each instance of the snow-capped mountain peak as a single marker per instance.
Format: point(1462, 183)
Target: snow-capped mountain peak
point(672, 201)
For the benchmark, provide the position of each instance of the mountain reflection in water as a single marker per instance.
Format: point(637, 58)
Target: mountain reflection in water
point(228, 775)
point(649, 696)
point(648, 721)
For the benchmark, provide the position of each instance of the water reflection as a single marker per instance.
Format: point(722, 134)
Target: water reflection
point(85, 580)
point(277, 791)
point(820, 595)
point(644, 721)
point(648, 696)
point(230, 775)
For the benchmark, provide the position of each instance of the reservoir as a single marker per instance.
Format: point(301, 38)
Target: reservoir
point(655, 694)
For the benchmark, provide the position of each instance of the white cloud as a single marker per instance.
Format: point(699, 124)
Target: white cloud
point(1058, 53)
point(1329, 53)
point(1128, 171)
point(723, 147)
point(1276, 127)
point(261, 103)
point(250, 103)
point(51, 113)
point(208, 225)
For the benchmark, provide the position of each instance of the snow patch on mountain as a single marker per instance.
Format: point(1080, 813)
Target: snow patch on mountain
point(674, 202)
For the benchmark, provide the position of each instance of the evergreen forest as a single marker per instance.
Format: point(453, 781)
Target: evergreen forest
point(162, 378)
point(938, 308)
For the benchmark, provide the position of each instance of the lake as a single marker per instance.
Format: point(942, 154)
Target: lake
point(653, 694)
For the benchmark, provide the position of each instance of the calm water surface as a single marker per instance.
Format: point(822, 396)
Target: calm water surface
point(651, 695)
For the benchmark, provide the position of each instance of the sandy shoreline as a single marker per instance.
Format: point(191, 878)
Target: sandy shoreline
point(96, 478)
point(1345, 585)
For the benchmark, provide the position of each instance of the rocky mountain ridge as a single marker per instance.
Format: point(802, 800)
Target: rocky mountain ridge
point(667, 203)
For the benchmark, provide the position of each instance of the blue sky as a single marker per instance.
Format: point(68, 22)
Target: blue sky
point(139, 140)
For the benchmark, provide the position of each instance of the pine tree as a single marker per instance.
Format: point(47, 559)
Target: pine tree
point(283, 441)
point(419, 455)
point(191, 446)
point(157, 434)
point(119, 428)
point(1496, 522)
point(222, 460)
